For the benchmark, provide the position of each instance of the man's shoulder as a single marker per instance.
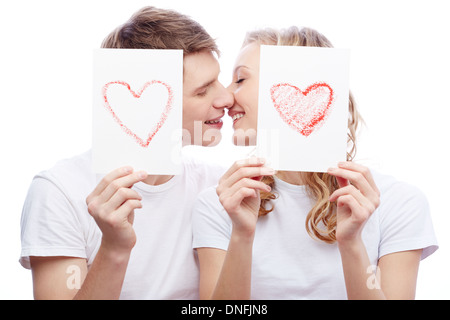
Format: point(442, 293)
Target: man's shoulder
point(71, 173)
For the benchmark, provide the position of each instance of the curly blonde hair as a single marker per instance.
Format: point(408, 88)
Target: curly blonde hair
point(321, 220)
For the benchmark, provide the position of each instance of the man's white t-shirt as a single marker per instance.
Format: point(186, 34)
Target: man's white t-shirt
point(288, 264)
point(55, 222)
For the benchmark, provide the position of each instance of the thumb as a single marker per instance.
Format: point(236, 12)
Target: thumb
point(131, 218)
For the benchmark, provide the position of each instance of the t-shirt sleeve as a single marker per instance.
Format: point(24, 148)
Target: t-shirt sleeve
point(210, 222)
point(49, 224)
point(405, 221)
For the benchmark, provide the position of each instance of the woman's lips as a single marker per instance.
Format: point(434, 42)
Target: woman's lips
point(237, 116)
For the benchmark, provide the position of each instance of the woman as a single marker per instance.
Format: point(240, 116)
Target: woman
point(348, 233)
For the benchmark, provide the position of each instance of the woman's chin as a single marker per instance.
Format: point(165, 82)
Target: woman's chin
point(244, 138)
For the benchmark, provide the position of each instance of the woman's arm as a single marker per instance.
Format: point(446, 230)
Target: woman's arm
point(396, 273)
point(234, 281)
point(394, 278)
point(210, 264)
point(227, 274)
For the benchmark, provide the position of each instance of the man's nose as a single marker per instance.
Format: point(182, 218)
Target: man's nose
point(225, 99)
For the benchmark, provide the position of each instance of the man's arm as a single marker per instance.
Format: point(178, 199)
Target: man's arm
point(66, 278)
point(112, 205)
point(57, 278)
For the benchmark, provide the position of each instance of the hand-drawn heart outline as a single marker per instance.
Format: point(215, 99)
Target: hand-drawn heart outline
point(143, 143)
point(298, 108)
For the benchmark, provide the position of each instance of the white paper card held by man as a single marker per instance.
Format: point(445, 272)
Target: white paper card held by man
point(137, 110)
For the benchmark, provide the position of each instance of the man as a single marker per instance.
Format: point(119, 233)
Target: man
point(129, 235)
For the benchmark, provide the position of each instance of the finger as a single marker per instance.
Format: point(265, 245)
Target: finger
point(359, 213)
point(342, 182)
point(349, 201)
point(232, 203)
point(236, 199)
point(241, 173)
point(350, 189)
point(248, 172)
point(250, 184)
point(110, 177)
point(123, 182)
point(356, 194)
point(250, 162)
point(361, 169)
point(356, 178)
point(127, 208)
point(122, 195)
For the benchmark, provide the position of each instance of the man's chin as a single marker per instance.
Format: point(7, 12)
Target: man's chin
point(211, 140)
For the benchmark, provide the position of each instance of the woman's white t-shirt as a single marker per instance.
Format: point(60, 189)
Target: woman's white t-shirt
point(288, 264)
point(55, 222)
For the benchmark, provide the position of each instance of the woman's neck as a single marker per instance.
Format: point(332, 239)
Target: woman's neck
point(292, 177)
point(156, 180)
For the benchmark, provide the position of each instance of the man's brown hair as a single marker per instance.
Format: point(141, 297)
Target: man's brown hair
point(154, 28)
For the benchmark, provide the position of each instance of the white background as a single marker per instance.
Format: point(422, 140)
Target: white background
point(400, 69)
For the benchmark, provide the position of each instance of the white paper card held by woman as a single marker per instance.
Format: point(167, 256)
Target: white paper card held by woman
point(303, 107)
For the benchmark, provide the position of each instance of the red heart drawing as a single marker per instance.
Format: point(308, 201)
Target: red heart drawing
point(142, 142)
point(304, 111)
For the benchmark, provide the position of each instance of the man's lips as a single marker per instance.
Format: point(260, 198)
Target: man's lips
point(217, 122)
point(213, 121)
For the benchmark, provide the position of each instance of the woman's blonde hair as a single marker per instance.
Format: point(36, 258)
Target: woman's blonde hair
point(321, 220)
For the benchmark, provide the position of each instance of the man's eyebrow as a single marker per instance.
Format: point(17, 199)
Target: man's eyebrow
point(207, 84)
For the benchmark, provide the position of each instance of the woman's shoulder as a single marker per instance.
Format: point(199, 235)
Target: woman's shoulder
point(404, 217)
point(211, 224)
point(392, 187)
point(208, 200)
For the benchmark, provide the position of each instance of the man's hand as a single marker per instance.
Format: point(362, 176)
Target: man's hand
point(112, 205)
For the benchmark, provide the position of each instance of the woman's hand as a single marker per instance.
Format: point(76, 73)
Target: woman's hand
point(357, 198)
point(238, 192)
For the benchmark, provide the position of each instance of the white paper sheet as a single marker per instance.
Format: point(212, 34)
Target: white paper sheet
point(303, 107)
point(137, 110)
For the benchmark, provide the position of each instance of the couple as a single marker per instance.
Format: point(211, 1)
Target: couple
point(256, 234)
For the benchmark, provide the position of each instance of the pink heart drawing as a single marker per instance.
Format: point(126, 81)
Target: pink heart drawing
point(304, 111)
point(143, 142)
